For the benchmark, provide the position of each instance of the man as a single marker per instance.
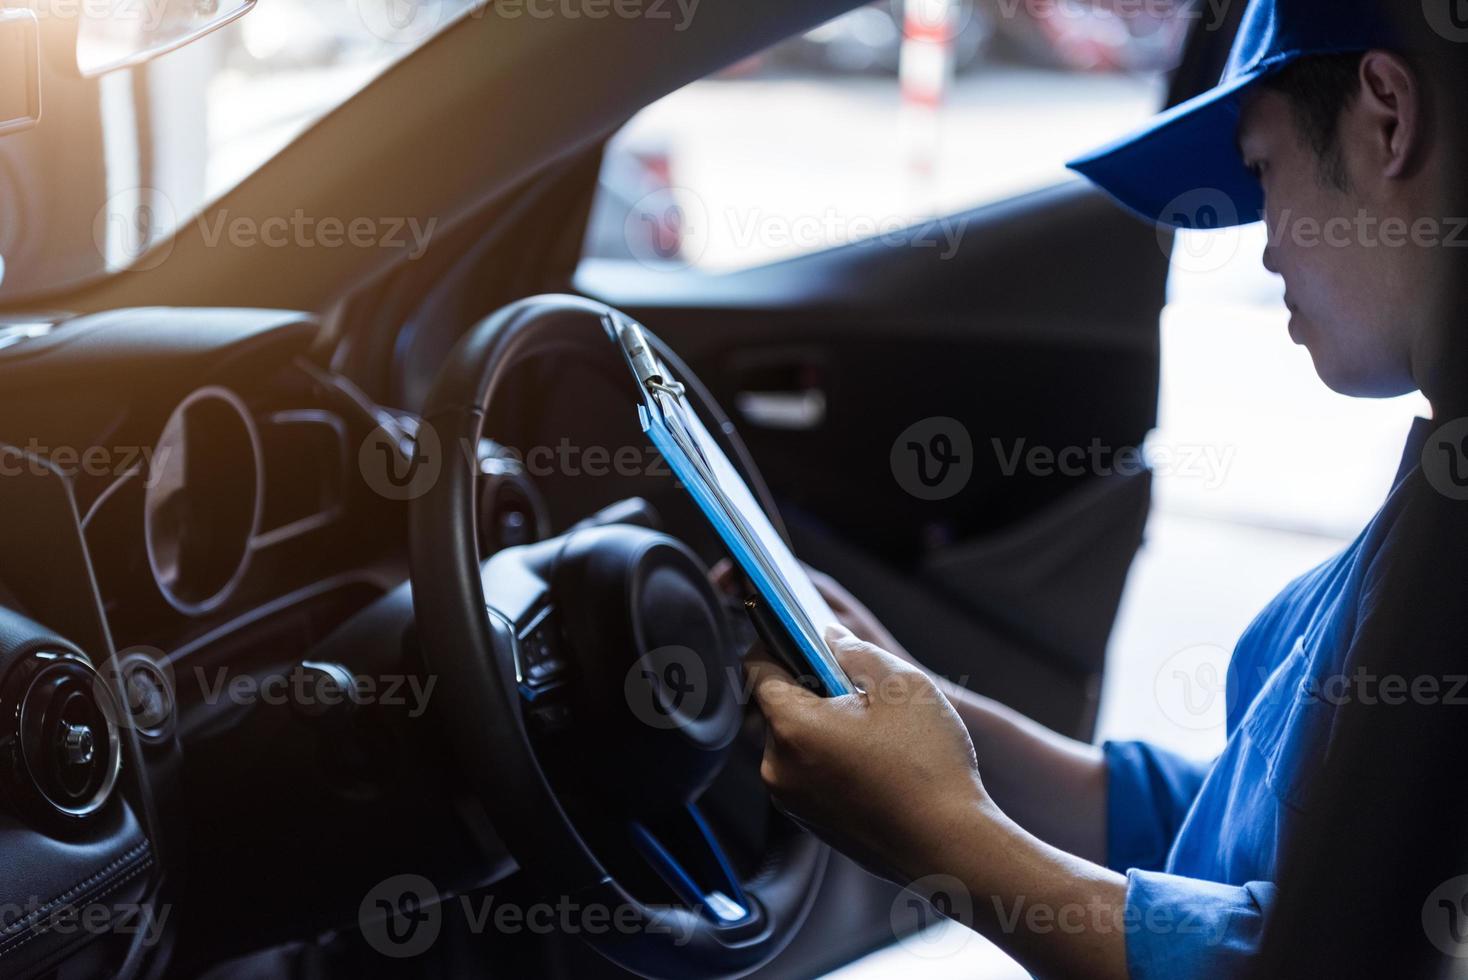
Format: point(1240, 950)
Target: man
point(1144, 864)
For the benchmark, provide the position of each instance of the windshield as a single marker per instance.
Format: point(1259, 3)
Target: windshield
point(119, 162)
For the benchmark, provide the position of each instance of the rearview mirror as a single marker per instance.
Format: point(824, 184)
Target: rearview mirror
point(112, 36)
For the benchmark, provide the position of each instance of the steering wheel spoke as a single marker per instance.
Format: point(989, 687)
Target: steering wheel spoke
point(683, 851)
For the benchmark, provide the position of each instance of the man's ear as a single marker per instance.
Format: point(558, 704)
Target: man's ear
point(1390, 100)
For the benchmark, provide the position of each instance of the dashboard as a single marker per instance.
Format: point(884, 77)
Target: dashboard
point(200, 511)
point(185, 511)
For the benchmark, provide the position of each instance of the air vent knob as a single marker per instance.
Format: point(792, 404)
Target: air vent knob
point(60, 752)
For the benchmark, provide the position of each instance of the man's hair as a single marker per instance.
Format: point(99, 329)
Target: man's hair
point(1321, 87)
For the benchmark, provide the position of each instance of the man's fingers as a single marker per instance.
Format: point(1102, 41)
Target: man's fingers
point(724, 576)
point(771, 683)
point(861, 659)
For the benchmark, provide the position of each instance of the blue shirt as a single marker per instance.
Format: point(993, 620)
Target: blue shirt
point(1199, 842)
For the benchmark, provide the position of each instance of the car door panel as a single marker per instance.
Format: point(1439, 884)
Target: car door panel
point(1021, 337)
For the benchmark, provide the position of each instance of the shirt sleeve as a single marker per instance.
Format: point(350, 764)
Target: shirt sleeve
point(1186, 927)
point(1148, 793)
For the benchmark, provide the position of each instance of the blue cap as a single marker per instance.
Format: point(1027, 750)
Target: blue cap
point(1183, 168)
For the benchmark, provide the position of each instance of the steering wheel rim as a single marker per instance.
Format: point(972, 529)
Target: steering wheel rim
point(471, 643)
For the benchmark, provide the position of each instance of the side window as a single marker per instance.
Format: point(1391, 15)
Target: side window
point(892, 114)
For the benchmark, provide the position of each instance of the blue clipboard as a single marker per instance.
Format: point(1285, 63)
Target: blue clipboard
point(785, 593)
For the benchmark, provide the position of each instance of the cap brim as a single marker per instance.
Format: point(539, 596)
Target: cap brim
point(1183, 169)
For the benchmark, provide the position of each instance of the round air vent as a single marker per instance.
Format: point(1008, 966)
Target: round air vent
point(59, 743)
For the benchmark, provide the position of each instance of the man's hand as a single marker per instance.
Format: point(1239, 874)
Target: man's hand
point(855, 616)
point(850, 611)
point(887, 775)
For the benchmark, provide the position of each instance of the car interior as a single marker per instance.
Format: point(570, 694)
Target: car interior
point(324, 571)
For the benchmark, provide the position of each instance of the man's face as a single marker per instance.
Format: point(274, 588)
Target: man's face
point(1347, 275)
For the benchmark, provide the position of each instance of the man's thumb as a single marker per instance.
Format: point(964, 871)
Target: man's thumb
point(864, 663)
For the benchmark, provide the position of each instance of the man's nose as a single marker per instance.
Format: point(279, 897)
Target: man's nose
point(1270, 262)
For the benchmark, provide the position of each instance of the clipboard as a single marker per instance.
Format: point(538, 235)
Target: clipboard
point(787, 610)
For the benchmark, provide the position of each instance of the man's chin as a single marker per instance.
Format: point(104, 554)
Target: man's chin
point(1353, 380)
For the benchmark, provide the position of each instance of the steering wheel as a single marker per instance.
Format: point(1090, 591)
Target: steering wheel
point(591, 689)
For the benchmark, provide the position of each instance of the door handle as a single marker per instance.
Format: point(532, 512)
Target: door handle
point(792, 411)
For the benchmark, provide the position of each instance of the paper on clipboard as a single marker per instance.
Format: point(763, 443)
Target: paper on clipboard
point(721, 493)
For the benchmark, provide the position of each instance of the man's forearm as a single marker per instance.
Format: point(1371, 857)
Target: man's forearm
point(1053, 786)
point(1059, 915)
